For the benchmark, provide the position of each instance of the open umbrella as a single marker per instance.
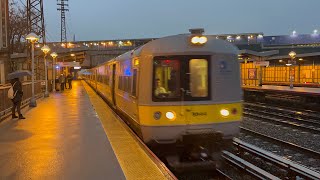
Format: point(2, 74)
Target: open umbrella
point(19, 73)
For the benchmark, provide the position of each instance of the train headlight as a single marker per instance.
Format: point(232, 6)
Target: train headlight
point(224, 112)
point(199, 40)
point(203, 39)
point(171, 115)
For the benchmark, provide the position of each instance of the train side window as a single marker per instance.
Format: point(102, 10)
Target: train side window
point(198, 77)
point(120, 83)
point(134, 83)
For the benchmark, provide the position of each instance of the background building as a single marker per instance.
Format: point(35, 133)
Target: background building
point(3, 40)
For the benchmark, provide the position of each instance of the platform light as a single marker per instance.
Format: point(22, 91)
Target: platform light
point(294, 33)
point(224, 112)
point(238, 37)
point(32, 38)
point(292, 54)
point(315, 32)
point(170, 115)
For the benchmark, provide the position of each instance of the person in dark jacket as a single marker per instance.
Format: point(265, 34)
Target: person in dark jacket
point(62, 80)
point(69, 78)
point(17, 91)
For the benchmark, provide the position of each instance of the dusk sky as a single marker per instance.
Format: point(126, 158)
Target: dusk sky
point(115, 19)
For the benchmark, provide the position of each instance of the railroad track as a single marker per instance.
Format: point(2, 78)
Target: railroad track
point(280, 168)
point(291, 151)
point(296, 119)
point(288, 111)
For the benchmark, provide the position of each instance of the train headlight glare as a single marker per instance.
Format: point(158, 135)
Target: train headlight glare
point(199, 40)
point(195, 40)
point(170, 115)
point(224, 112)
point(203, 40)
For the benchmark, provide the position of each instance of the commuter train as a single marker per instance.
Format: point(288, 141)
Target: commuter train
point(181, 89)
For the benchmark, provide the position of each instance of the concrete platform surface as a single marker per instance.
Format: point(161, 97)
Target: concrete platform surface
point(62, 138)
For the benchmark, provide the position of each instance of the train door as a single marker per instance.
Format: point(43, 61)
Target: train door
point(196, 88)
point(134, 94)
point(113, 85)
point(95, 78)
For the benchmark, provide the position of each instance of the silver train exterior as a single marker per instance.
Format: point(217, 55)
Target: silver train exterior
point(171, 87)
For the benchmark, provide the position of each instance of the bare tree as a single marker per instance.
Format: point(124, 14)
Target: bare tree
point(18, 27)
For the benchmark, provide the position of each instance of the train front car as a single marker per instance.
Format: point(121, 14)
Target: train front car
point(190, 94)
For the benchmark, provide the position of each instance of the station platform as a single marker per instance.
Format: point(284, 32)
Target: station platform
point(74, 135)
point(295, 90)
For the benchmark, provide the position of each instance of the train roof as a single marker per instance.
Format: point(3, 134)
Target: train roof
point(180, 44)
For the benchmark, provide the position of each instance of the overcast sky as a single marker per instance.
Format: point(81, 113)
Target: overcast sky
point(121, 19)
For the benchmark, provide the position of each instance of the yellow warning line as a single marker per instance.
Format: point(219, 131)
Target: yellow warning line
point(134, 161)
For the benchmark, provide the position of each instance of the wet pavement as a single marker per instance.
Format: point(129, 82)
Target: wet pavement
point(62, 138)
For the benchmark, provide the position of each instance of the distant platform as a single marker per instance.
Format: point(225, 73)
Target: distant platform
point(295, 90)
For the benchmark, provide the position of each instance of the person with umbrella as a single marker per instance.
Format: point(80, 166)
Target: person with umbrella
point(18, 93)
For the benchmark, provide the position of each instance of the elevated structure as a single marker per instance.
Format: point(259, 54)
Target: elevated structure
point(63, 7)
point(36, 18)
point(253, 46)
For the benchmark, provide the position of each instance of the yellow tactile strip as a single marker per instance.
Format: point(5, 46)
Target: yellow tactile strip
point(134, 161)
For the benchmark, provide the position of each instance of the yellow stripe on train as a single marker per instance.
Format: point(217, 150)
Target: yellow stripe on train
point(197, 114)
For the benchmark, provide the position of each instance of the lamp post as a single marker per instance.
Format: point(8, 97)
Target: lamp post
point(54, 55)
point(292, 55)
point(45, 49)
point(32, 38)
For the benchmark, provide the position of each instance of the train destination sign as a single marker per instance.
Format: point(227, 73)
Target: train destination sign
point(69, 64)
point(261, 63)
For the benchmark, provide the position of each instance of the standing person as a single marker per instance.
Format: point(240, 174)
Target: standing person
point(69, 78)
point(18, 93)
point(65, 81)
point(62, 81)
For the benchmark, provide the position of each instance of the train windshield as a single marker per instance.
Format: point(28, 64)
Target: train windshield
point(181, 78)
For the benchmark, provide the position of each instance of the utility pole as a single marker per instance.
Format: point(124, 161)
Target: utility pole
point(63, 7)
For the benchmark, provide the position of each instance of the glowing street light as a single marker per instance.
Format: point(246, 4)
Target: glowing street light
point(32, 38)
point(54, 55)
point(45, 49)
point(292, 55)
point(315, 31)
point(294, 33)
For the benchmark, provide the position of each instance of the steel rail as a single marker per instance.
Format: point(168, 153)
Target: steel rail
point(293, 169)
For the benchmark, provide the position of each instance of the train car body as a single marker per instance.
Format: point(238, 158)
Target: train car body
point(170, 88)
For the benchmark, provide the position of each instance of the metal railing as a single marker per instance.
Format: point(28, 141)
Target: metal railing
point(6, 103)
